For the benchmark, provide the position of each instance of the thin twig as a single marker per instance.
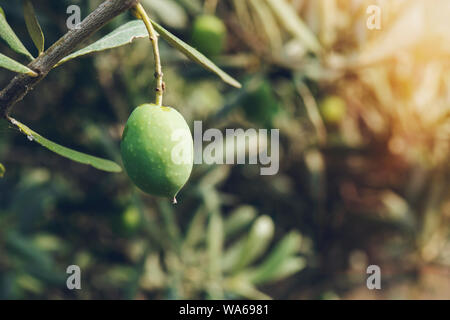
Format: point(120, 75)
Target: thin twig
point(153, 35)
point(21, 84)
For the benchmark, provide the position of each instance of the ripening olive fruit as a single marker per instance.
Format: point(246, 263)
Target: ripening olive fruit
point(333, 109)
point(157, 150)
point(209, 35)
point(261, 106)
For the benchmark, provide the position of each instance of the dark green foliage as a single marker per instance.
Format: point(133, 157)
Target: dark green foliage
point(261, 106)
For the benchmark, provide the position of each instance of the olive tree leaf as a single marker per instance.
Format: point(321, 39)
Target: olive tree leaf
point(281, 261)
point(292, 22)
point(126, 33)
point(98, 163)
point(8, 35)
point(169, 12)
point(123, 35)
point(195, 55)
point(215, 242)
point(283, 269)
point(10, 64)
point(250, 247)
point(2, 170)
point(34, 29)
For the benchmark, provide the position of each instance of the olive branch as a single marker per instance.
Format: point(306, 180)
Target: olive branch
point(62, 51)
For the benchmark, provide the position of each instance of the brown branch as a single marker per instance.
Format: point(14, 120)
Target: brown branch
point(21, 84)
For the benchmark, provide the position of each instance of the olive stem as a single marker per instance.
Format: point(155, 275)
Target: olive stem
point(153, 35)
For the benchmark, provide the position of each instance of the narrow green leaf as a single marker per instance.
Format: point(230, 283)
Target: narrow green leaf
point(123, 35)
point(178, 17)
point(34, 29)
point(195, 55)
point(101, 164)
point(275, 264)
point(215, 243)
point(292, 22)
point(13, 65)
point(2, 170)
point(251, 247)
point(283, 269)
point(239, 219)
point(258, 240)
point(136, 29)
point(7, 34)
point(242, 287)
point(196, 230)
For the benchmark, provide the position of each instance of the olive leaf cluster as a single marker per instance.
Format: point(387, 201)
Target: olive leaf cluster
point(123, 35)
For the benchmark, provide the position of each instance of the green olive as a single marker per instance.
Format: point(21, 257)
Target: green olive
point(157, 150)
point(333, 109)
point(209, 35)
point(127, 222)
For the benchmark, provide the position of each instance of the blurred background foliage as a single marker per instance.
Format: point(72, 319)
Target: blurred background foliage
point(364, 119)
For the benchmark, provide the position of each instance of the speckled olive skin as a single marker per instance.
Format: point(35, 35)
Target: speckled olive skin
point(157, 150)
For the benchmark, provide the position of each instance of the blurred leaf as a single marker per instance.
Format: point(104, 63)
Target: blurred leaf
point(312, 109)
point(196, 229)
point(136, 29)
point(268, 23)
point(34, 29)
point(15, 66)
point(247, 250)
point(193, 6)
point(117, 276)
point(24, 247)
point(195, 55)
point(214, 176)
point(240, 286)
point(169, 12)
point(239, 219)
point(288, 16)
point(48, 242)
point(215, 246)
point(7, 34)
point(417, 26)
point(30, 283)
point(279, 263)
point(2, 170)
point(123, 35)
point(215, 240)
point(168, 215)
point(235, 98)
point(98, 163)
point(285, 268)
point(40, 199)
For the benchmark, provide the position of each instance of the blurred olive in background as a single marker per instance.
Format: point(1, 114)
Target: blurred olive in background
point(333, 109)
point(209, 35)
point(127, 222)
